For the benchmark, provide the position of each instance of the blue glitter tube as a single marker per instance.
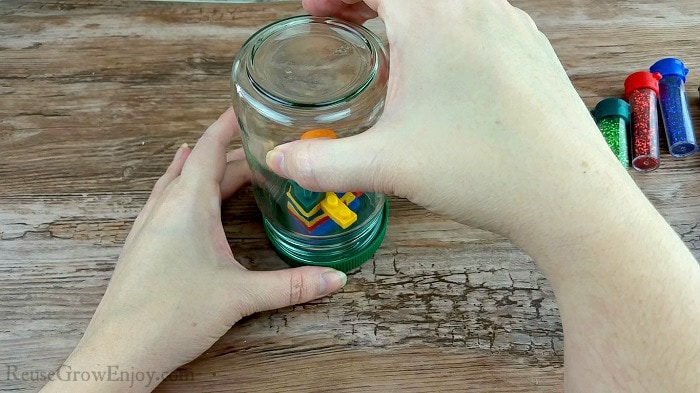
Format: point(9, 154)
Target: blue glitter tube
point(674, 107)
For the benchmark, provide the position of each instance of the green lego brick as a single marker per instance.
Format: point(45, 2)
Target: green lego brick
point(308, 200)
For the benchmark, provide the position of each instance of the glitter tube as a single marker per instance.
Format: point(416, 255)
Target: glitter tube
point(613, 116)
point(642, 90)
point(674, 107)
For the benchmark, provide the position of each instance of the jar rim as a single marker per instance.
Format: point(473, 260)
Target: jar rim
point(251, 47)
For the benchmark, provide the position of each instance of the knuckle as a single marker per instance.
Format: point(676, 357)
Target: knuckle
point(207, 137)
point(160, 184)
point(525, 18)
point(304, 168)
point(381, 167)
point(297, 287)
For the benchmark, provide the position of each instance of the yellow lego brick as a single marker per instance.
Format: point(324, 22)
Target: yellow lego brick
point(338, 211)
point(348, 198)
point(305, 220)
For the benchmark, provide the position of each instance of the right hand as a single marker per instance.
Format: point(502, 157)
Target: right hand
point(483, 125)
point(481, 122)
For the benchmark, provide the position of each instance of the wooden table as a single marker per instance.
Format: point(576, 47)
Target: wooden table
point(94, 99)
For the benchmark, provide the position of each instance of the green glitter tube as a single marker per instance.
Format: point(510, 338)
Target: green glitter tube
point(613, 117)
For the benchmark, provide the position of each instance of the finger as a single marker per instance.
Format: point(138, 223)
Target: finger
point(357, 163)
point(276, 289)
point(347, 9)
point(208, 158)
point(237, 175)
point(173, 171)
point(235, 155)
point(357, 13)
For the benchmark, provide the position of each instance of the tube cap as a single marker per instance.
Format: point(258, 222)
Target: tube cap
point(642, 80)
point(670, 66)
point(612, 107)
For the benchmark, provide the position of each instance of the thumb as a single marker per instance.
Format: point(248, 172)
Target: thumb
point(270, 290)
point(356, 163)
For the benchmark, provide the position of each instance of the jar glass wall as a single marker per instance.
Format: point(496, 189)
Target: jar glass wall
point(291, 78)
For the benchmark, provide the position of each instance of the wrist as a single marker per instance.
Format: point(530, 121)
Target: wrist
point(608, 238)
point(578, 209)
point(586, 222)
point(626, 287)
point(93, 372)
point(109, 359)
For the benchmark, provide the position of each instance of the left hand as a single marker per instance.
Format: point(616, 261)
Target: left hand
point(177, 287)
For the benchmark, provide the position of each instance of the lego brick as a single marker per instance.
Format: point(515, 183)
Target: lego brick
point(338, 211)
point(324, 226)
point(307, 201)
point(308, 221)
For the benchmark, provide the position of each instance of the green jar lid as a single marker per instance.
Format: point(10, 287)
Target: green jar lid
point(612, 107)
point(344, 262)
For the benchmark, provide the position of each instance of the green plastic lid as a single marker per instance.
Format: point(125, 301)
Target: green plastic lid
point(612, 107)
point(343, 262)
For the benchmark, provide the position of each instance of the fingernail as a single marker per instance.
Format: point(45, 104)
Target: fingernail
point(332, 281)
point(180, 150)
point(275, 160)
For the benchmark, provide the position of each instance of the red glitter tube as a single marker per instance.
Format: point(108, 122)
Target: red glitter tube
point(642, 90)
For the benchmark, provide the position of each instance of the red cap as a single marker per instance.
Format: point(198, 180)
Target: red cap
point(642, 80)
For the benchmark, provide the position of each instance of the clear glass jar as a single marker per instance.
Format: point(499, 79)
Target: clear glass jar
point(298, 75)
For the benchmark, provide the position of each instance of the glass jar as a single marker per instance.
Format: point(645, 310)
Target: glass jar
point(311, 77)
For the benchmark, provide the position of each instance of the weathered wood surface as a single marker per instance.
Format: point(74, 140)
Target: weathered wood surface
point(94, 99)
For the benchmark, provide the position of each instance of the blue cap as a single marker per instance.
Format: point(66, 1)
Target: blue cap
point(670, 66)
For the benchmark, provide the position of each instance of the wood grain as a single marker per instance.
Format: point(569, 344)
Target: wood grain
point(96, 96)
